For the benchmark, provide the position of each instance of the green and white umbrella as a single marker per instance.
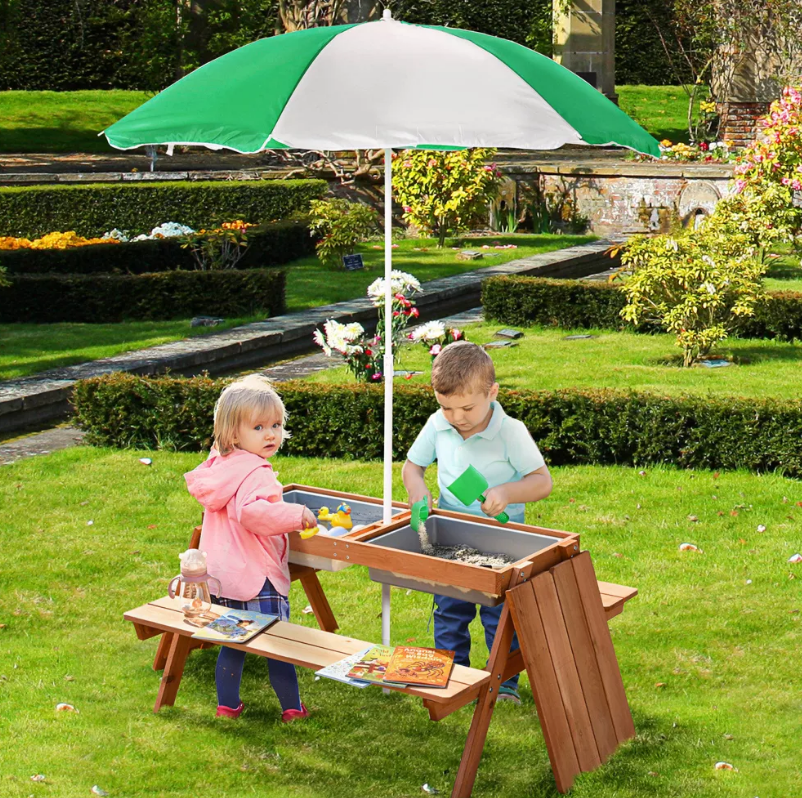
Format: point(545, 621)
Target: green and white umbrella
point(380, 85)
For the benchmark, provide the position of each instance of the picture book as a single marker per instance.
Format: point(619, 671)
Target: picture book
point(235, 626)
point(339, 670)
point(372, 665)
point(424, 667)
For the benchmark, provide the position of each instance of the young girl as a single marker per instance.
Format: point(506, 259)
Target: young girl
point(245, 528)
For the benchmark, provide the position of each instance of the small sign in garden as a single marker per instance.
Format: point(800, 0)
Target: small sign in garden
point(508, 333)
point(353, 263)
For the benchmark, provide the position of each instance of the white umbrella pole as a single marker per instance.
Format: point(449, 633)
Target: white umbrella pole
point(388, 371)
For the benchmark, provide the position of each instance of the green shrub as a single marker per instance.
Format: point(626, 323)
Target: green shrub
point(687, 285)
point(272, 244)
point(341, 225)
point(571, 427)
point(104, 298)
point(575, 304)
point(97, 208)
point(444, 192)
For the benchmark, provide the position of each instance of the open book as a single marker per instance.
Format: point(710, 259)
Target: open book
point(235, 626)
point(422, 667)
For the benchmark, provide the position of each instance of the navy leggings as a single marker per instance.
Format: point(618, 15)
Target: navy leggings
point(228, 673)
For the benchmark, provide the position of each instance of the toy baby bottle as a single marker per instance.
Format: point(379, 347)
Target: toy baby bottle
point(193, 583)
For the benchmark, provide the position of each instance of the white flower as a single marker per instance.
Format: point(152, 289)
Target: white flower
point(400, 283)
point(431, 331)
point(340, 336)
point(320, 341)
point(710, 288)
point(170, 229)
point(115, 235)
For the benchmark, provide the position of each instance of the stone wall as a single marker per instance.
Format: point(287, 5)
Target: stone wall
point(622, 198)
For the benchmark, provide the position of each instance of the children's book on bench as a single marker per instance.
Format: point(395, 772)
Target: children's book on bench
point(401, 666)
point(235, 626)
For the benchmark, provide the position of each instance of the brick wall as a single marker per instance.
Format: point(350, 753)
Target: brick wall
point(739, 121)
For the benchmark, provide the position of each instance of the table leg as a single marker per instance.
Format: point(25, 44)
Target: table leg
point(160, 660)
point(318, 601)
point(474, 745)
point(173, 671)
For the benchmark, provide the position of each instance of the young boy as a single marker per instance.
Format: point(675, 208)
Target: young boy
point(471, 428)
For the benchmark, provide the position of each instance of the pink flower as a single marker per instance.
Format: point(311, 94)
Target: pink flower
point(456, 334)
point(377, 376)
point(703, 146)
point(435, 350)
point(796, 185)
point(414, 313)
point(407, 209)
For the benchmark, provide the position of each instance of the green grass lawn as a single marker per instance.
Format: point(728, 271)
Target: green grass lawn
point(662, 110)
point(29, 348)
point(708, 650)
point(310, 284)
point(785, 273)
point(67, 121)
point(545, 360)
point(26, 349)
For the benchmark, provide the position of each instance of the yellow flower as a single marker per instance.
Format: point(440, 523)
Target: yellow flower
point(665, 143)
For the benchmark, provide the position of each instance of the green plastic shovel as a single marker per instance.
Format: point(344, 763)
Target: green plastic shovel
point(420, 512)
point(470, 486)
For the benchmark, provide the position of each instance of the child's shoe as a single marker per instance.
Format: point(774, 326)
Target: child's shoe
point(227, 712)
point(506, 693)
point(289, 715)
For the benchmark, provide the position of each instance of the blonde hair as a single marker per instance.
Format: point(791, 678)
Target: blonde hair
point(461, 368)
point(250, 397)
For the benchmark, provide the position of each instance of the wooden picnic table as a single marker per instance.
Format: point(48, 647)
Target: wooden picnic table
point(560, 616)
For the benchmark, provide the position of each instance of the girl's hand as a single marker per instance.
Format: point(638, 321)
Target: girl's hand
point(308, 519)
point(495, 501)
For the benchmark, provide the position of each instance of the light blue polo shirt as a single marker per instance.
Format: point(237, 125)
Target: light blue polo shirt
point(503, 452)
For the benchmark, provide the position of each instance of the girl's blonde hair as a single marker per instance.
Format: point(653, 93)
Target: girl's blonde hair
point(251, 397)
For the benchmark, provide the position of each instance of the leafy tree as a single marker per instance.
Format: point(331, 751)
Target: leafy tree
point(341, 225)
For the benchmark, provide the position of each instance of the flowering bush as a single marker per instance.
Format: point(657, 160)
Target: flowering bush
point(688, 286)
point(342, 225)
point(434, 336)
point(51, 241)
point(703, 151)
point(364, 355)
point(443, 192)
point(769, 173)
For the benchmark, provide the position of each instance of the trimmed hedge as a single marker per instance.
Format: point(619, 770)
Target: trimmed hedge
point(572, 304)
point(95, 208)
point(105, 298)
point(272, 244)
point(571, 426)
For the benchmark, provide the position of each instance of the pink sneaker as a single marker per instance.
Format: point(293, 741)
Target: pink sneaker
point(227, 712)
point(289, 715)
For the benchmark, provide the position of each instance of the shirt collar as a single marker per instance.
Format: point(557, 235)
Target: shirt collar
point(489, 432)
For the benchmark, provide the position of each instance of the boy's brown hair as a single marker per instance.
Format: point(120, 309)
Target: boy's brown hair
point(461, 368)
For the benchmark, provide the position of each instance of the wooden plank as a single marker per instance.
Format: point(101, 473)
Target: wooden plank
point(301, 645)
point(173, 671)
point(160, 660)
point(318, 601)
point(562, 657)
point(603, 645)
point(483, 714)
point(621, 591)
point(543, 681)
point(585, 659)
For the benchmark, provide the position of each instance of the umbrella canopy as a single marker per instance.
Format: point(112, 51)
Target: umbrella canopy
point(377, 85)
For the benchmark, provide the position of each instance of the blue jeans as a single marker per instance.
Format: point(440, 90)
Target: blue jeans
point(453, 616)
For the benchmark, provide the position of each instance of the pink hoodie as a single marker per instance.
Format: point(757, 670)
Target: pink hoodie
point(246, 522)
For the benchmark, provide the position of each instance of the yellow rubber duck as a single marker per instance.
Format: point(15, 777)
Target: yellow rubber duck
point(341, 518)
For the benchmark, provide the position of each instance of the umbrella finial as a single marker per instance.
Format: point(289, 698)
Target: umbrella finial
point(387, 14)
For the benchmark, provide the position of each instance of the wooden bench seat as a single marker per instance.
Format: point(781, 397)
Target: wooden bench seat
point(288, 642)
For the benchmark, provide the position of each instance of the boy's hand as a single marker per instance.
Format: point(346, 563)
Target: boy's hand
point(495, 501)
point(417, 495)
point(308, 519)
